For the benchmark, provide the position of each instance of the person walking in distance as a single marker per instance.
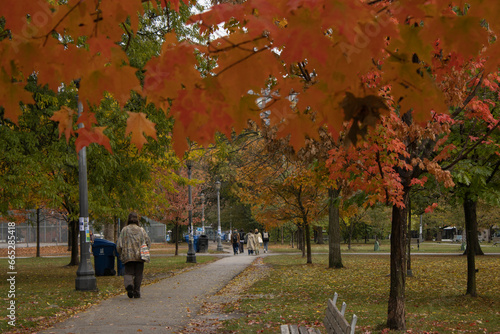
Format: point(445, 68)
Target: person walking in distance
point(265, 240)
point(242, 240)
point(132, 237)
point(235, 239)
point(258, 241)
point(250, 236)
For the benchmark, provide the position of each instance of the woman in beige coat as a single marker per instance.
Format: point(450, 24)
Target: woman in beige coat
point(250, 242)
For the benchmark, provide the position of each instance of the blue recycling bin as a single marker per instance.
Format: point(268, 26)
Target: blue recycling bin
point(195, 242)
point(104, 258)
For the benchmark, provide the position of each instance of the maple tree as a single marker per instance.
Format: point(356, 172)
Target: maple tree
point(280, 189)
point(329, 57)
point(475, 168)
point(171, 203)
point(313, 38)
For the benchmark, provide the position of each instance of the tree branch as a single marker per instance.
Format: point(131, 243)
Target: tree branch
point(476, 144)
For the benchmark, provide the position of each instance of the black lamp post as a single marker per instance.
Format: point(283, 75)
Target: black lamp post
point(191, 254)
point(219, 232)
point(85, 274)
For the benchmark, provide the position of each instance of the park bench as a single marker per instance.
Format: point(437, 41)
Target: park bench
point(335, 322)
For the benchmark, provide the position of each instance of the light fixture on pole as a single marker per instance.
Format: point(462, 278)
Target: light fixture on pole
point(219, 233)
point(202, 213)
point(191, 254)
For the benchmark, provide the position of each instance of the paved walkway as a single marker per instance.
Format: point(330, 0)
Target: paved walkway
point(164, 307)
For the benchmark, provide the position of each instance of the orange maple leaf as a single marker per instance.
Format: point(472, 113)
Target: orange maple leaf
point(65, 118)
point(138, 125)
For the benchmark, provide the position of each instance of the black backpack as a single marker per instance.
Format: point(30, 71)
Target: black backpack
point(235, 238)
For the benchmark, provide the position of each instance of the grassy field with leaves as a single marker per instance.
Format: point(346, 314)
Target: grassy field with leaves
point(45, 289)
point(296, 293)
point(385, 247)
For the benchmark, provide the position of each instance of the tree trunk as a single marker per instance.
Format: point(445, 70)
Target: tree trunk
point(396, 310)
point(176, 231)
point(409, 273)
point(319, 235)
point(308, 242)
point(334, 254)
point(303, 240)
point(108, 232)
point(300, 240)
point(349, 240)
point(470, 209)
point(116, 227)
point(37, 232)
point(74, 243)
point(471, 237)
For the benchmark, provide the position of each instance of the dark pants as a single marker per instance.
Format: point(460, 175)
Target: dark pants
point(236, 247)
point(133, 275)
point(241, 246)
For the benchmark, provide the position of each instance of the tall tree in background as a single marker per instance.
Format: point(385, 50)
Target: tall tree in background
point(282, 189)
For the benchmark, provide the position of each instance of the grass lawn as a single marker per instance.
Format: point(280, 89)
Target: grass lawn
point(296, 293)
point(361, 247)
point(45, 289)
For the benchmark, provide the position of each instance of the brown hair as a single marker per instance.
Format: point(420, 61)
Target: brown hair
point(133, 218)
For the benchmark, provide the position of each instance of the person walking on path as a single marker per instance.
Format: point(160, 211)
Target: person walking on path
point(258, 241)
point(132, 237)
point(250, 242)
point(265, 240)
point(235, 239)
point(166, 307)
point(242, 240)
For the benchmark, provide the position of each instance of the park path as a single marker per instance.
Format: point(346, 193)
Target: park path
point(164, 307)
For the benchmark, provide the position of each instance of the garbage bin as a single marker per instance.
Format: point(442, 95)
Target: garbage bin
point(195, 241)
point(104, 257)
point(203, 244)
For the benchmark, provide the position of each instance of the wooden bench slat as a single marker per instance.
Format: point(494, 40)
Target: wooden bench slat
point(334, 322)
point(284, 329)
point(332, 326)
point(294, 329)
point(342, 324)
point(303, 330)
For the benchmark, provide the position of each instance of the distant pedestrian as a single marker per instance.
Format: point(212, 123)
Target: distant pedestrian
point(251, 242)
point(235, 239)
point(265, 239)
point(242, 240)
point(132, 237)
point(258, 241)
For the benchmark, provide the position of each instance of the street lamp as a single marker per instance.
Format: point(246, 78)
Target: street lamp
point(85, 274)
point(191, 254)
point(219, 233)
point(202, 213)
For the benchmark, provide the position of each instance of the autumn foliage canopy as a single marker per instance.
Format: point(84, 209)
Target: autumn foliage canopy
point(316, 62)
